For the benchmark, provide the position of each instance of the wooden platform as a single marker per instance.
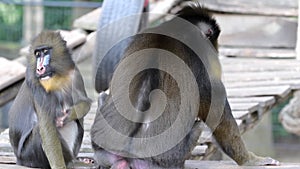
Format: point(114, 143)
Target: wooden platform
point(254, 86)
point(192, 164)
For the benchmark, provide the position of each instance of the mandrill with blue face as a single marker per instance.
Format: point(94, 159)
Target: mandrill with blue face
point(46, 118)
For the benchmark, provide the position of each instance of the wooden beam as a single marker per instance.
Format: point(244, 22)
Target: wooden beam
point(257, 52)
point(193, 164)
point(298, 34)
point(249, 107)
point(255, 31)
point(262, 7)
point(73, 38)
point(10, 92)
point(240, 114)
point(199, 150)
point(260, 76)
point(88, 21)
point(263, 101)
point(279, 92)
point(293, 83)
point(85, 51)
point(10, 72)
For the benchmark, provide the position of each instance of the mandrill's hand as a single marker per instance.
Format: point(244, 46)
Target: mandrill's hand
point(75, 112)
point(60, 121)
point(255, 160)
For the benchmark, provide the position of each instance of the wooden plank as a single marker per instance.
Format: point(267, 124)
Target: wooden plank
point(259, 76)
point(298, 35)
point(257, 31)
point(10, 72)
point(90, 155)
point(9, 93)
point(263, 101)
point(257, 52)
point(261, 3)
point(263, 7)
point(86, 50)
point(160, 9)
point(73, 39)
point(88, 21)
point(76, 165)
point(4, 145)
point(205, 136)
point(250, 107)
point(264, 62)
point(253, 67)
point(240, 114)
point(195, 164)
point(294, 84)
point(280, 91)
point(238, 122)
point(199, 150)
point(7, 153)
point(10, 166)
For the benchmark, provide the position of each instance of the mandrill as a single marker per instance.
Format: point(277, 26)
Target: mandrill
point(128, 132)
point(46, 118)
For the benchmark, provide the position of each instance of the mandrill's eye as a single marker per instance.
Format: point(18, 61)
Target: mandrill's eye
point(37, 53)
point(45, 51)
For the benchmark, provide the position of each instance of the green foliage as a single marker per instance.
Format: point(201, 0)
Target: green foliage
point(11, 19)
point(57, 18)
point(10, 14)
point(10, 22)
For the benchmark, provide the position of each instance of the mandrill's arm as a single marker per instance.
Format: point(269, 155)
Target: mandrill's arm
point(78, 111)
point(228, 136)
point(82, 103)
point(50, 139)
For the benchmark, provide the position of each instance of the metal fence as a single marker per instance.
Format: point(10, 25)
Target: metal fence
point(57, 15)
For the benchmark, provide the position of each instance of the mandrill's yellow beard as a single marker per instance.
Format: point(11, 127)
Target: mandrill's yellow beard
point(56, 82)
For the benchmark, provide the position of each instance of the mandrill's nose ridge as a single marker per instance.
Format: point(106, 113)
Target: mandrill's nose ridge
point(40, 70)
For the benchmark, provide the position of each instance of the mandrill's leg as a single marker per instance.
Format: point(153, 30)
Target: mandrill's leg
point(228, 136)
point(50, 140)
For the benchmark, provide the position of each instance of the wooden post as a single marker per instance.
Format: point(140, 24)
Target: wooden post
point(298, 33)
point(33, 20)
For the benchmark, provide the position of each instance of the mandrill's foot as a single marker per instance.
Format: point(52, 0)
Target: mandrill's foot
point(255, 160)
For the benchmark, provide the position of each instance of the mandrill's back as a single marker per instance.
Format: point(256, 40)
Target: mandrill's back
point(155, 93)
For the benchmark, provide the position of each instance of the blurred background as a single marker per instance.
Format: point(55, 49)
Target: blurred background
point(20, 20)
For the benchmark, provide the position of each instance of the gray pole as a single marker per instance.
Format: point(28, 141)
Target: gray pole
point(33, 21)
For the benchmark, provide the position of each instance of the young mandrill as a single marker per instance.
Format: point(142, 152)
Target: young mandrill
point(46, 118)
point(135, 151)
